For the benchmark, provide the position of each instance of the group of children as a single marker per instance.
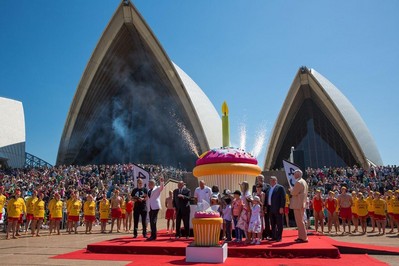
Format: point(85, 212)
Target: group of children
point(356, 209)
point(245, 211)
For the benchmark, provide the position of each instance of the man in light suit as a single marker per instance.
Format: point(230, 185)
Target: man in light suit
point(298, 203)
point(181, 202)
point(274, 206)
point(154, 205)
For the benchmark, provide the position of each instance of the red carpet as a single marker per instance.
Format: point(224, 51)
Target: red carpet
point(164, 245)
point(142, 260)
point(321, 250)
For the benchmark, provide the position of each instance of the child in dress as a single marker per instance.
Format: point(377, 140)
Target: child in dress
point(255, 224)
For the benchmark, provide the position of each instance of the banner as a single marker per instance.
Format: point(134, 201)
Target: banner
point(289, 169)
point(139, 172)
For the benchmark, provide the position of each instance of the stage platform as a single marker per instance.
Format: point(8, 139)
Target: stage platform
point(317, 247)
point(166, 250)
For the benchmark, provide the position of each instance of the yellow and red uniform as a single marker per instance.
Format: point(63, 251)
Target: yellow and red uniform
point(362, 208)
point(3, 200)
point(57, 207)
point(89, 211)
point(389, 205)
point(395, 208)
point(15, 209)
point(104, 210)
point(380, 209)
point(50, 207)
point(370, 206)
point(30, 202)
point(354, 208)
point(68, 205)
point(39, 209)
point(74, 212)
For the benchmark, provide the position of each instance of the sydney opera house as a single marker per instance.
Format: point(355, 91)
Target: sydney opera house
point(133, 104)
point(322, 125)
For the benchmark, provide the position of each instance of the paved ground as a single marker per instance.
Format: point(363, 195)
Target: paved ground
point(37, 250)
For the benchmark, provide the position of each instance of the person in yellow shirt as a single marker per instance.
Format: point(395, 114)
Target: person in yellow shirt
point(89, 211)
point(51, 219)
point(68, 208)
point(30, 202)
point(370, 207)
point(395, 209)
point(362, 212)
point(3, 200)
point(380, 212)
point(38, 214)
point(74, 212)
point(56, 212)
point(355, 219)
point(389, 200)
point(21, 216)
point(287, 209)
point(15, 209)
point(104, 212)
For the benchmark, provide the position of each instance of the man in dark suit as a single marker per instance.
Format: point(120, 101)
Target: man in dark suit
point(274, 205)
point(181, 203)
point(260, 181)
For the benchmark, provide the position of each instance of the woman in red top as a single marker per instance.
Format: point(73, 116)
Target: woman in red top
point(318, 213)
point(331, 205)
point(129, 212)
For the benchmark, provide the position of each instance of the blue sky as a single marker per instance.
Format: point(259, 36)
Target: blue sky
point(244, 52)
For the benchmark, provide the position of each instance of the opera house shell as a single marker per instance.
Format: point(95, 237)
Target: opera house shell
point(323, 127)
point(12, 132)
point(133, 104)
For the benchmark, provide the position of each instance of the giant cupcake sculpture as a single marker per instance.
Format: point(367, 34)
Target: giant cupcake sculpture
point(226, 167)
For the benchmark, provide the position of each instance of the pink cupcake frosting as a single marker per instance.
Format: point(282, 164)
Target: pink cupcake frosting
point(206, 214)
point(226, 155)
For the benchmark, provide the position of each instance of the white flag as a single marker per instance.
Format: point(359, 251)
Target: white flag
point(139, 172)
point(289, 169)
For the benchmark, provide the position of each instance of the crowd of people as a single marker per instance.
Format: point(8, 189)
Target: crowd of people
point(353, 196)
point(79, 183)
point(93, 179)
point(72, 195)
point(377, 178)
